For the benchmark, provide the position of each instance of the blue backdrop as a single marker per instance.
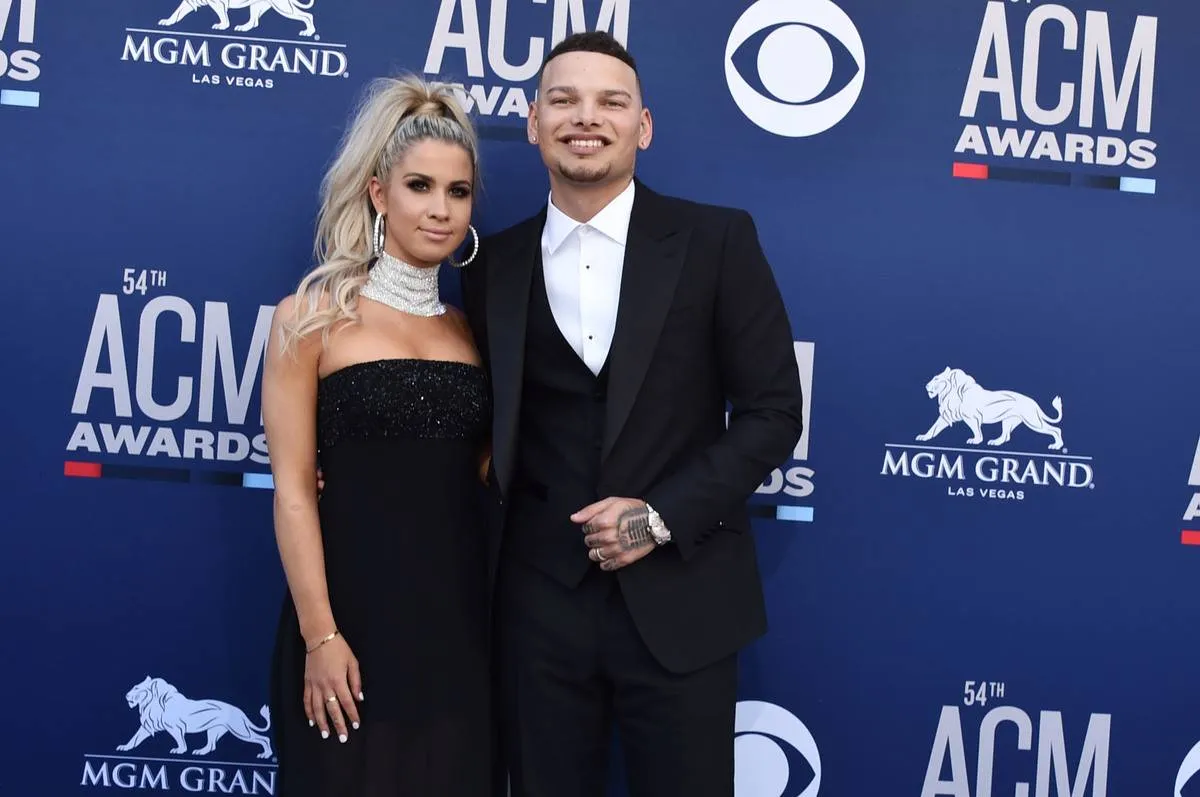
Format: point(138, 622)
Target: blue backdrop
point(978, 212)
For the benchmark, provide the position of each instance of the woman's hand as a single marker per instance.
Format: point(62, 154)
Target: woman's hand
point(331, 685)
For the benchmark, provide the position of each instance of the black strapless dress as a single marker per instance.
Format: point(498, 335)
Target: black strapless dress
point(404, 534)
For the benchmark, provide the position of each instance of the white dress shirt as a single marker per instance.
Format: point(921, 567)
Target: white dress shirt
point(582, 263)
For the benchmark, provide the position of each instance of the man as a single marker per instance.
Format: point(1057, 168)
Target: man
point(615, 324)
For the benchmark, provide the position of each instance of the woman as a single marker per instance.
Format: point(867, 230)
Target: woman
point(380, 683)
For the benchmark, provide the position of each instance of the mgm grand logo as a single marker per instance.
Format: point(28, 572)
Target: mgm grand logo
point(234, 57)
point(1006, 474)
point(172, 760)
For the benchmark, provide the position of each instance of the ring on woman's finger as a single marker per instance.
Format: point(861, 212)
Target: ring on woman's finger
point(331, 699)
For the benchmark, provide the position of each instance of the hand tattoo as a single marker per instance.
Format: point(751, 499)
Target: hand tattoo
point(633, 529)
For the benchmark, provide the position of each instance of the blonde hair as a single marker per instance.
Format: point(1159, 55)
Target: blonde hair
point(394, 115)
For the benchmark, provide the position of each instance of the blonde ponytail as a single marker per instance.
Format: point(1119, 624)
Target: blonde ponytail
point(394, 114)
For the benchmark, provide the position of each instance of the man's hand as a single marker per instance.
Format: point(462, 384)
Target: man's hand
point(616, 531)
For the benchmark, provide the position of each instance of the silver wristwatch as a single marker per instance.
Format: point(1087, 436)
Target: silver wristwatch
point(658, 529)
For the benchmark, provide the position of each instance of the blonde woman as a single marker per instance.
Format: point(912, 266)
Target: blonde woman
point(380, 673)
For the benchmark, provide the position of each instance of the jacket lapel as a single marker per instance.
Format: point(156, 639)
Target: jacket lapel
point(510, 276)
point(654, 255)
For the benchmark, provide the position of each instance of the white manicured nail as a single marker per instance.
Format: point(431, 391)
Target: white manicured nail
point(342, 738)
point(324, 734)
point(355, 726)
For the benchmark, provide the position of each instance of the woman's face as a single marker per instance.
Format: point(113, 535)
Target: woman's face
point(427, 202)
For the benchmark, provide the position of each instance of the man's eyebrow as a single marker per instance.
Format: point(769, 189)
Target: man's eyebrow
point(605, 92)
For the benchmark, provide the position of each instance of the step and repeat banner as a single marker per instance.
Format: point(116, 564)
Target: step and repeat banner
point(981, 560)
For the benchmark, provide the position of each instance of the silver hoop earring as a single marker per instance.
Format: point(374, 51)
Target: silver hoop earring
point(377, 238)
point(474, 250)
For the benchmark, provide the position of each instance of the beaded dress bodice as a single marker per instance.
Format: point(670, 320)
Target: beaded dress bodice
point(402, 398)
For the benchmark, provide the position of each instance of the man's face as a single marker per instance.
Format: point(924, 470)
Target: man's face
point(588, 120)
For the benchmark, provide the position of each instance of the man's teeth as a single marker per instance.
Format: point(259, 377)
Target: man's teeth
point(587, 144)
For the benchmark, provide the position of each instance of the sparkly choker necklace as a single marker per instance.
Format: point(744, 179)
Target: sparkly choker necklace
point(407, 288)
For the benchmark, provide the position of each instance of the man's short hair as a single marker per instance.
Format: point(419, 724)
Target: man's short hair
point(596, 41)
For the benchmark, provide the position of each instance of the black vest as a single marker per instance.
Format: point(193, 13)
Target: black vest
point(559, 444)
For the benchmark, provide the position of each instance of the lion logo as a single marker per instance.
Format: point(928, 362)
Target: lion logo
point(292, 9)
point(960, 398)
point(161, 708)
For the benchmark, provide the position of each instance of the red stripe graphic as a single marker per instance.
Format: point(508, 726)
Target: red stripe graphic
point(85, 470)
point(1190, 538)
point(972, 171)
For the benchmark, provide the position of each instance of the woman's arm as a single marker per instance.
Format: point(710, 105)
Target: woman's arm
point(289, 406)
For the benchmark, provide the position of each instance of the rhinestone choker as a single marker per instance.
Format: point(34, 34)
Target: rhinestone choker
point(407, 288)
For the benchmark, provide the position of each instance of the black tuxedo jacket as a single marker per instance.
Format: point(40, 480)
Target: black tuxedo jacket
point(700, 322)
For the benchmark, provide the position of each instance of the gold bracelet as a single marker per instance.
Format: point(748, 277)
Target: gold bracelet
point(325, 639)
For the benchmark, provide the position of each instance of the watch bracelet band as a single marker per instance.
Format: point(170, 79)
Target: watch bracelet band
point(658, 529)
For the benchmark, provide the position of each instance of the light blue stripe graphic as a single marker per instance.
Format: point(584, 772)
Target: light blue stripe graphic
point(802, 514)
point(25, 99)
point(1138, 185)
point(258, 481)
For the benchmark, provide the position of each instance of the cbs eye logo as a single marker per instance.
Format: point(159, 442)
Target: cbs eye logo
point(1187, 770)
point(796, 65)
point(763, 766)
